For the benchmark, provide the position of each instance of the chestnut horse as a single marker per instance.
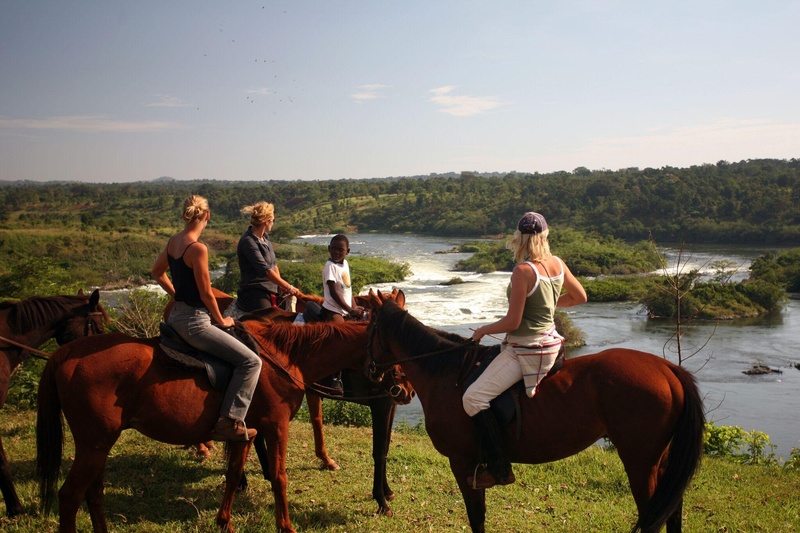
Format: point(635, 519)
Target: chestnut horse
point(649, 408)
point(382, 401)
point(112, 382)
point(27, 324)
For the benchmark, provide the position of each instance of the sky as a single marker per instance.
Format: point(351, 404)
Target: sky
point(113, 91)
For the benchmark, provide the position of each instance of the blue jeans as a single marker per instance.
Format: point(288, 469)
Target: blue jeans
point(195, 327)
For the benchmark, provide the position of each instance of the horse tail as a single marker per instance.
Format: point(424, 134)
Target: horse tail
point(49, 436)
point(685, 453)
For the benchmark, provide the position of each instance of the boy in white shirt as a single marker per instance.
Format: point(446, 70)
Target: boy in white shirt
point(338, 291)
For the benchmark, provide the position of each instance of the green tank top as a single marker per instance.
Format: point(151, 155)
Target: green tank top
point(540, 304)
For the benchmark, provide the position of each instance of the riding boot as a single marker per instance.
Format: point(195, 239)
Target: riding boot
point(332, 385)
point(497, 467)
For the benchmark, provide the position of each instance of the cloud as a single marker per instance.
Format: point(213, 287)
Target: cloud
point(88, 124)
point(462, 106)
point(167, 101)
point(369, 92)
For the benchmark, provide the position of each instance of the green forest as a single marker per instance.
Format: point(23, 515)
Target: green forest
point(64, 234)
point(755, 201)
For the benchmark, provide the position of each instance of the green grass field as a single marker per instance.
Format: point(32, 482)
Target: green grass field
point(154, 487)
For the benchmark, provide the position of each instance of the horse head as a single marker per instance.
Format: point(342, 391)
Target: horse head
point(378, 361)
point(88, 318)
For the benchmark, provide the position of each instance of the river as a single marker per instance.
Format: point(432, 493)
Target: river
point(769, 403)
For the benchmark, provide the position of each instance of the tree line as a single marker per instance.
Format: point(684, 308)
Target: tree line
point(754, 201)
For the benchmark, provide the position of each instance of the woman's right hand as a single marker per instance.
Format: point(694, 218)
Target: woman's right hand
point(227, 322)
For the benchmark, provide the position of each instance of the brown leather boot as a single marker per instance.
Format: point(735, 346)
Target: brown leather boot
point(230, 429)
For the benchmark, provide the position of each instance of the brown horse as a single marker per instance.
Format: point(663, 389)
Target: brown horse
point(649, 408)
point(27, 324)
point(382, 401)
point(109, 383)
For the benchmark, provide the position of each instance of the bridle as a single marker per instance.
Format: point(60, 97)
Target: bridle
point(374, 369)
point(93, 326)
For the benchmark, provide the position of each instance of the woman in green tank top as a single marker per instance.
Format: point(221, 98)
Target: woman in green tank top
point(531, 344)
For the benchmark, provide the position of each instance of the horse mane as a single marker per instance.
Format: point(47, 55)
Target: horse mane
point(447, 349)
point(38, 311)
point(298, 341)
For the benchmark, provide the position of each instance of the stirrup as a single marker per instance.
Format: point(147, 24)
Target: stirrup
point(475, 474)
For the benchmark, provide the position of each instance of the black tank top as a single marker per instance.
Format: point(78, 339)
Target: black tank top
point(183, 280)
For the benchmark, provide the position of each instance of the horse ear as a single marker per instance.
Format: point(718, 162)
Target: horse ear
point(401, 299)
point(80, 292)
point(94, 299)
point(375, 299)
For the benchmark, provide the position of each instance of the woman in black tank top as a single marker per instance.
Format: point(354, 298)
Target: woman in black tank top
point(196, 314)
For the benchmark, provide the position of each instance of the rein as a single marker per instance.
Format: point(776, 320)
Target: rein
point(36, 353)
point(375, 365)
point(317, 389)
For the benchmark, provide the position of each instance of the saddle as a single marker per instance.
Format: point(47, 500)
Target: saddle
point(506, 405)
point(183, 354)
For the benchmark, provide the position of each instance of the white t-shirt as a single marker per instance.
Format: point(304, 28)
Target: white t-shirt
point(340, 274)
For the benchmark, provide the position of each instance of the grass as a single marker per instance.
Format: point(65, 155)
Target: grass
point(154, 487)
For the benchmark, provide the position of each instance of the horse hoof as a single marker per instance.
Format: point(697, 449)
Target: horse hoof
point(385, 511)
point(332, 466)
point(389, 497)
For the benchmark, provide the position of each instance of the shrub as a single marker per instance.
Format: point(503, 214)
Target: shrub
point(140, 315)
point(732, 442)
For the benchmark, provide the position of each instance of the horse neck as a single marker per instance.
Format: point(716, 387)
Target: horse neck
point(32, 338)
point(336, 353)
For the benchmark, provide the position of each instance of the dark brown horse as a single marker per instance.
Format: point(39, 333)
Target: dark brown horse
point(109, 383)
point(382, 400)
point(649, 408)
point(28, 324)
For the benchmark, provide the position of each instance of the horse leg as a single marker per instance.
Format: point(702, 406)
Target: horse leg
point(263, 457)
point(474, 500)
point(94, 502)
point(277, 437)
point(675, 520)
point(382, 411)
point(237, 456)
point(314, 403)
point(13, 505)
point(85, 480)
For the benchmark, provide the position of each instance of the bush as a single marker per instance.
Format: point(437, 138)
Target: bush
point(140, 315)
point(732, 442)
point(340, 413)
point(22, 393)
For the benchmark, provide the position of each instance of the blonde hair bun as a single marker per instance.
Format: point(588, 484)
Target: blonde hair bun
point(260, 213)
point(194, 207)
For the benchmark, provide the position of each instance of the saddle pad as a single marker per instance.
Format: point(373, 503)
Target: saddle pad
point(504, 406)
point(218, 371)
